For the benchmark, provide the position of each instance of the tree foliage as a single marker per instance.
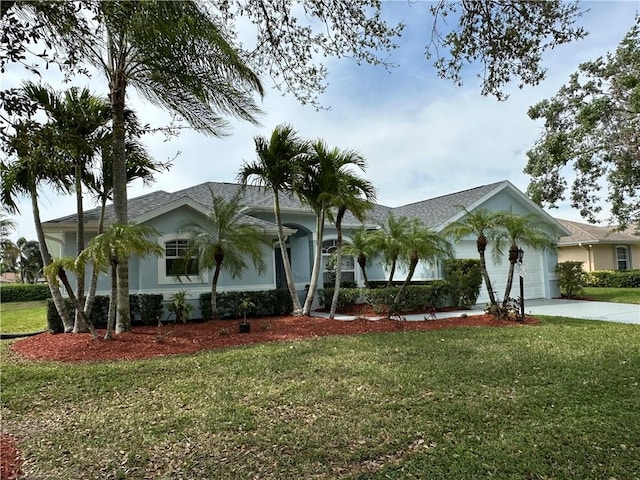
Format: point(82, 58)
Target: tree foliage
point(507, 37)
point(591, 125)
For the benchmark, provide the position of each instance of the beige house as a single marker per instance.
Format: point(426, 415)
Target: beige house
point(599, 248)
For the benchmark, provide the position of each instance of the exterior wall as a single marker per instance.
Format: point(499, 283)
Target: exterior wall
point(598, 256)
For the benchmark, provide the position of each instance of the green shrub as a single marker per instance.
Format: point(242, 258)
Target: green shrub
point(433, 294)
point(465, 279)
point(346, 296)
point(24, 292)
point(570, 278)
point(613, 279)
point(144, 310)
point(267, 303)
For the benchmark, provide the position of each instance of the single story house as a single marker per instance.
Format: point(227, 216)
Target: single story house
point(599, 248)
point(167, 212)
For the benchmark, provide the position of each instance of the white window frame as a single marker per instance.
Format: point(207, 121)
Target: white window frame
point(624, 258)
point(163, 278)
point(350, 264)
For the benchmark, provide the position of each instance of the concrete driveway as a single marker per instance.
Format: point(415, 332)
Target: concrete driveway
point(609, 312)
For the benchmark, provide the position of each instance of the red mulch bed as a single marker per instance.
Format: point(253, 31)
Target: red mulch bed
point(146, 342)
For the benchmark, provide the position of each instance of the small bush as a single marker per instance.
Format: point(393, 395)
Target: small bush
point(346, 296)
point(433, 294)
point(570, 278)
point(24, 292)
point(465, 279)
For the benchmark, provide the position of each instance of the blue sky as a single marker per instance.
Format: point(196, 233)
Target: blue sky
point(422, 136)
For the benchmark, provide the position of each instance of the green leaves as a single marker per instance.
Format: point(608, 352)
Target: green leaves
point(591, 126)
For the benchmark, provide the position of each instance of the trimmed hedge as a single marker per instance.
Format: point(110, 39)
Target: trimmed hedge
point(613, 279)
point(145, 310)
point(266, 303)
point(426, 295)
point(465, 279)
point(24, 292)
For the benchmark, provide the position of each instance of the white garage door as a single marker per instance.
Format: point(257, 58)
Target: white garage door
point(533, 279)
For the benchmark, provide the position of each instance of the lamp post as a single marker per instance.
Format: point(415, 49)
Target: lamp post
point(521, 272)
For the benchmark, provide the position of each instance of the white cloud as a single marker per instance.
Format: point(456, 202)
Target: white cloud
point(422, 136)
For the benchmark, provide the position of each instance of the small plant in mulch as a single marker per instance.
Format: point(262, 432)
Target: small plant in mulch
point(162, 337)
point(223, 332)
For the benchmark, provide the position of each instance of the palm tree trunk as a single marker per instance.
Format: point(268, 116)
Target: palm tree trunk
point(288, 273)
point(362, 261)
point(65, 281)
point(403, 287)
point(214, 292)
point(336, 286)
point(513, 258)
point(481, 244)
point(391, 273)
point(93, 283)
point(123, 323)
point(117, 88)
point(56, 295)
point(317, 261)
point(79, 325)
point(113, 301)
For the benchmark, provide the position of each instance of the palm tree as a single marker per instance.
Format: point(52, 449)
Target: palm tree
point(227, 237)
point(35, 163)
point(323, 170)
point(275, 169)
point(522, 230)
point(79, 119)
point(109, 249)
point(485, 226)
point(351, 193)
point(139, 166)
point(177, 56)
point(419, 243)
point(389, 241)
point(361, 247)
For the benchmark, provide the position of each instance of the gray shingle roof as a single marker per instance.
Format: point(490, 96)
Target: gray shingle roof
point(587, 233)
point(433, 212)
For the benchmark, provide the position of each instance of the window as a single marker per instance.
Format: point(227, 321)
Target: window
point(328, 270)
point(622, 258)
point(174, 251)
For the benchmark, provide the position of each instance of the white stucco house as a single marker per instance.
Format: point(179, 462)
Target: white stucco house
point(167, 212)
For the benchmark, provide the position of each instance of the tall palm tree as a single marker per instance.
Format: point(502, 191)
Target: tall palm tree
point(522, 230)
point(485, 226)
point(361, 247)
point(35, 163)
point(100, 182)
point(419, 243)
point(107, 250)
point(351, 193)
point(389, 241)
point(322, 182)
point(176, 55)
point(278, 161)
point(79, 119)
point(223, 242)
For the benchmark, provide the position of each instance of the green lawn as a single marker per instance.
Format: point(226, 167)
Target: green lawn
point(557, 400)
point(616, 295)
point(23, 317)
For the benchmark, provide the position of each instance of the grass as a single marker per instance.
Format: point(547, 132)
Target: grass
point(23, 317)
point(616, 295)
point(557, 400)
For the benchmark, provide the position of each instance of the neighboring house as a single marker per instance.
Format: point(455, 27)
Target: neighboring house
point(167, 212)
point(599, 248)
